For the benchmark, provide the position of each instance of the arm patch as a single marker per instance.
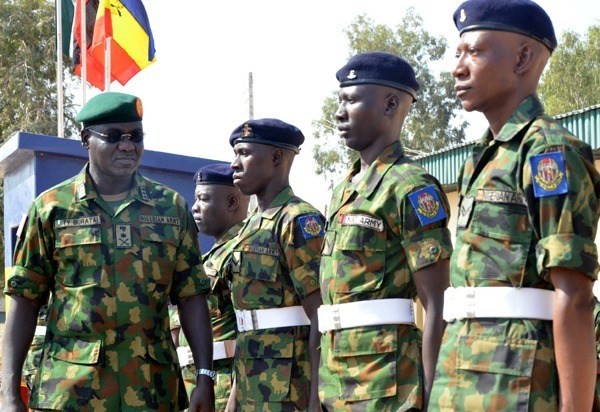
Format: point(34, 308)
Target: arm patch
point(548, 174)
point(311, 226)
point(426, 203)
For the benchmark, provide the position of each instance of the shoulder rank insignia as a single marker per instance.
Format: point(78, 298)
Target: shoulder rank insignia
point(548, 174)
point(311, 225)
point(426, 203)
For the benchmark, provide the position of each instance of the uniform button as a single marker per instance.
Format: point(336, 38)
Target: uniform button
point(433, 249)
point(567, 255)
point(14, 283)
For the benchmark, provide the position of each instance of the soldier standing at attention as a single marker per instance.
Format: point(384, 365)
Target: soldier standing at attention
point(274, 274)
point(219, 211)
point(386, 243)
point(520, 333)
point(113, 247)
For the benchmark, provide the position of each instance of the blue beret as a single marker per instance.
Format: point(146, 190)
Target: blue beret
point(214, 174)
point(110, 107)
point(381, 68)
point(519, 16)
point(273, 132)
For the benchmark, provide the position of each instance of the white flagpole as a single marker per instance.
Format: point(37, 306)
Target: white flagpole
point(83, 49)
point(59, 71)
point(107, 62)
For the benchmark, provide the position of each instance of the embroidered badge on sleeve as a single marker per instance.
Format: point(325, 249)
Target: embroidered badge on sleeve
point(426, 203)
point(548, 174)
point(311, 225)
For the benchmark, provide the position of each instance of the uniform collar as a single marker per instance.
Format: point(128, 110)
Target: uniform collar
point(230, 234)
point(377, 170)
point(530, 108)
point(87, 191)
point(280, 200)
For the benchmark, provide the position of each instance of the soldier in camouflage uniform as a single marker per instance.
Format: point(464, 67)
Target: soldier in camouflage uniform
point(112, 247)
point(386, 243)
point(219, 211)
point(274, 272)
point(520, 331)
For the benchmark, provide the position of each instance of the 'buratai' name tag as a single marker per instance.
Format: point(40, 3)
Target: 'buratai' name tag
point(80, 221)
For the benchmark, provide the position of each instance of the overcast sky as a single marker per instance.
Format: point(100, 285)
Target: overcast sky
point(197, 91)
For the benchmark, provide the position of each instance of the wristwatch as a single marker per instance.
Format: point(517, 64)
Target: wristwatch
point(207, 372)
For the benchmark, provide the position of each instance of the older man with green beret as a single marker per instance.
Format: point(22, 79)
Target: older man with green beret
point(113, 248)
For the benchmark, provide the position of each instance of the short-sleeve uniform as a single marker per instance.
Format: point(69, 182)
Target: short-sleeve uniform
point(381, 231)
point(528, 203)
point(222, 317)
point(275, 264)
point(112, 274)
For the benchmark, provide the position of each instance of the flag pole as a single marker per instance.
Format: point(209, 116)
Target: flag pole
point(83, 49)
point(107, 62)
point(59, 72)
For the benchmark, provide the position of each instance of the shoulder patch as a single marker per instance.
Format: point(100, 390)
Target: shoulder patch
point(311, 225)
point(427, 204)
point(548, 174)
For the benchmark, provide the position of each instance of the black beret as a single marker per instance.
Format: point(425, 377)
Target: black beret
point(381, 68)
point(519, 16)
point(214, 174)
point(273, 132)
point(111, 107)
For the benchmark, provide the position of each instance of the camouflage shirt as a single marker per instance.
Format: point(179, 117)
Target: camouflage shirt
point(275, 264)
point(529, 202)
point(111, 274)
point(222, 316)
point(374, 244)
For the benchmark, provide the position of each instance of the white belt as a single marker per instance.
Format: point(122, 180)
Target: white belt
point(271, 318)
point(366, 313)
point(221, 350)
point(498, 302)
point(40, 331)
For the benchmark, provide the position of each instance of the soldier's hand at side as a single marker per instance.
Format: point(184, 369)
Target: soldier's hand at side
point(202, 398)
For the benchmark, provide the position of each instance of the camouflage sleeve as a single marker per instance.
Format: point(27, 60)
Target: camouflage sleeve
point(32, 272)
point(424, 213)
point(562, 188)
point(301, 239)
point(189, 277)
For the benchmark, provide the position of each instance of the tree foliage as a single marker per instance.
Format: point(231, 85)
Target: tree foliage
point(572, 80)
point(432, 122)
point(28, 98)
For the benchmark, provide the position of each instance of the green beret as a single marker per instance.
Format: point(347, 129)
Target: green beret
point(111, 107)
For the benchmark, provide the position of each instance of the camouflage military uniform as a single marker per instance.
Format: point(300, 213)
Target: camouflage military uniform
point(222, 317)
point(34, 356)
point(111, 275)
point(529, 201)
point(275, 264)
point(377, 368)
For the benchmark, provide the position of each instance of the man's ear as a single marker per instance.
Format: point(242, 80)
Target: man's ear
point(392, 102)
point(233, 202)
point(85, 138)
point(524, 58)
point(277, 156)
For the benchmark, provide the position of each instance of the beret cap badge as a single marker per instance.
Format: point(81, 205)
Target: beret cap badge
point(351, 75)
point(463, 15)
point(247, 130)
point(139, 107)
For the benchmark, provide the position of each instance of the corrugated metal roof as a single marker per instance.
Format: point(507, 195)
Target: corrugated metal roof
point(445, 163)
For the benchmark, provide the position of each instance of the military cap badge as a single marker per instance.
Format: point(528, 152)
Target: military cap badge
point(351, 75)
point(247, 131)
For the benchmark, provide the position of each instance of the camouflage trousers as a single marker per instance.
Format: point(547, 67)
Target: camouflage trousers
point(496, 365)
point(224, 370)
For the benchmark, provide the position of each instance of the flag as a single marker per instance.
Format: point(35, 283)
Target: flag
point(95, 69)
point(126, 24)
point(67, 13)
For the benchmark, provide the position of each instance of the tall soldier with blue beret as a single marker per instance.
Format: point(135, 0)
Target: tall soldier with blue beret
point(520, 334)
point(274, 274)
point(113, 247)
point(386, 243)
point(219, 211)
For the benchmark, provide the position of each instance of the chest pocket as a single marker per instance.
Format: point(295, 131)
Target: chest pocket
point(159, 254)
point(79, 255)
point(359, 259)
point(260, 273)
point(503, 235)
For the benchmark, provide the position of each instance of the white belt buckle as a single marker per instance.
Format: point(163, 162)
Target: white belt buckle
point(470, 302)
point(335, 312)
point(246, 320)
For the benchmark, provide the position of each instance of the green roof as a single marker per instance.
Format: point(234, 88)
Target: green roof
point(445, 163)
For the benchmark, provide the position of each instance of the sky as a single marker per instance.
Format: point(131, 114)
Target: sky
point(197, 91)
